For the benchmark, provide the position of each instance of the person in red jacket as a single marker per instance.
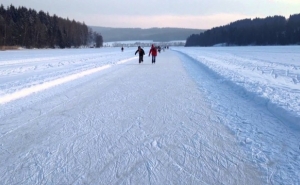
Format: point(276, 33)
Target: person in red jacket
point(153, 52)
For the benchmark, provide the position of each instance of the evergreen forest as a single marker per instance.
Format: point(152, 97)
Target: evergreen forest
point(276, 30)
point(31, 29)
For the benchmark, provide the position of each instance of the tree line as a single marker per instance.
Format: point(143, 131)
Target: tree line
point(31, 29)
point(276, 30)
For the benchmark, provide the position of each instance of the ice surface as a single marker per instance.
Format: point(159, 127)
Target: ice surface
point(222, 115)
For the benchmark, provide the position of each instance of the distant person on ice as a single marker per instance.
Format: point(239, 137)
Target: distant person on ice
point(122, 49)
point(141, 54)
point(153, 52)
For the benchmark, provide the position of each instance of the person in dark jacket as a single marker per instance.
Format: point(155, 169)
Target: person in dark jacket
point(141, 54)
point(153, 52)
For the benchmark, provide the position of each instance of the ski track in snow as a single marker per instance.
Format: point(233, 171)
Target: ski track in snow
point(174, 122)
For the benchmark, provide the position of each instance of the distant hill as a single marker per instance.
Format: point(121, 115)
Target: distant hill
point(155, 34)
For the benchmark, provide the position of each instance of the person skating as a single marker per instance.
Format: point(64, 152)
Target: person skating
point(153, 52)
point(141, 54)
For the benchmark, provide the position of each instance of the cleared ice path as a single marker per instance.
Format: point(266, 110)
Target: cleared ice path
point(129, 124)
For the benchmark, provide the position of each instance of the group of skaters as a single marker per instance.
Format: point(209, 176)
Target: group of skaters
point(152, 52)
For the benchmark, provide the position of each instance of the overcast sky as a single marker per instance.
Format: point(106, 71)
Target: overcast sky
point(203, 14)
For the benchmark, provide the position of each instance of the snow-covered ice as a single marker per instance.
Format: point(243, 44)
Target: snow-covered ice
point(219, 115)
point(268, 73)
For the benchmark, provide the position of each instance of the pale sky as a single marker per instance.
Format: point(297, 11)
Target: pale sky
point(202, 14)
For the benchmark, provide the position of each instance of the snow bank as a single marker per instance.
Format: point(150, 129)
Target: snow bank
point(29, 71)
point(269, 75)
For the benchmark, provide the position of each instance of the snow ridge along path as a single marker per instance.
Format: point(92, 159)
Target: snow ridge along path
point(167, 123)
